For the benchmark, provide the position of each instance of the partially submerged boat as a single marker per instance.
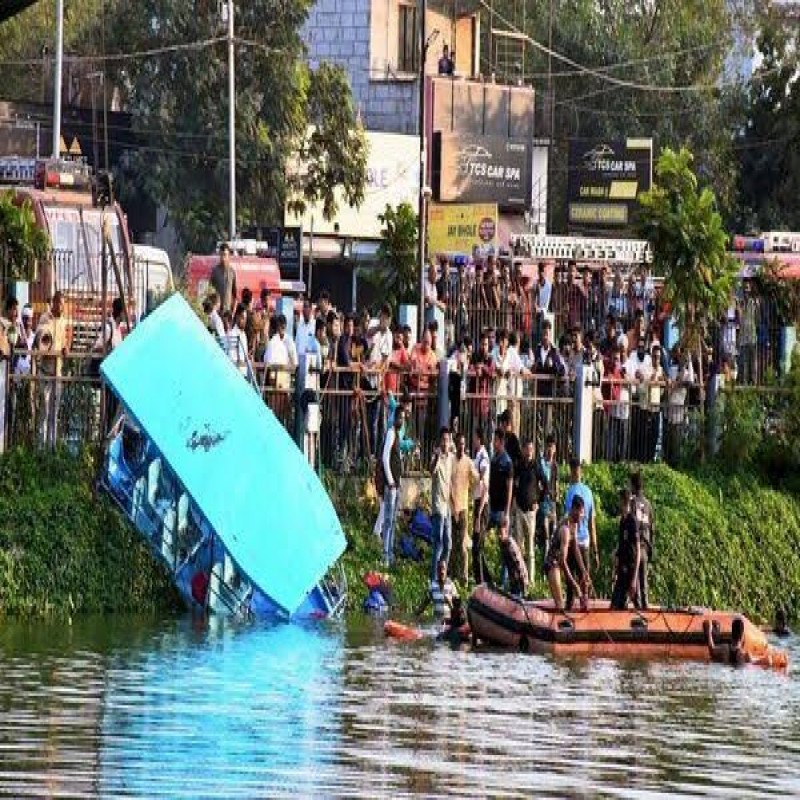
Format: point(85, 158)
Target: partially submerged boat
point(213, 482)
point(499, 619)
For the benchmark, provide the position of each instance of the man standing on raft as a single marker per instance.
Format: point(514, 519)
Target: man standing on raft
point(562, 543)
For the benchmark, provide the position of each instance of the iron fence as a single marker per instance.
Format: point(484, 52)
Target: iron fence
point(59, 403)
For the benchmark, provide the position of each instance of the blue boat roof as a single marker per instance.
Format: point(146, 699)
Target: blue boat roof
point(235, 459)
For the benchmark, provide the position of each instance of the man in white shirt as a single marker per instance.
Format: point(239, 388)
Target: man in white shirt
point(639, 370)
point(215, 323)
point(112, 330)
point(281, 355)
point(380, 349)
point(236, 341)
point(441, 518)
point(305, 329)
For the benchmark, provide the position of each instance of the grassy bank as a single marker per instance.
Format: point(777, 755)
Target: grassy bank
point(64, 549)
point(724, 541)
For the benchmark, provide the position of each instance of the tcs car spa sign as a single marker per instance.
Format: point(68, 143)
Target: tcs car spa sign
point(462, 229)
point(605, 181)
point(481, 169)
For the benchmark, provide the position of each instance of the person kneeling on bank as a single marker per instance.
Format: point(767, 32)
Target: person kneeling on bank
point(627, 557)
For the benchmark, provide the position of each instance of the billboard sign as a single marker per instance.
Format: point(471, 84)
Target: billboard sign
point(392, 178)
point(605, 181)
point(481, 169)
point(463, 228)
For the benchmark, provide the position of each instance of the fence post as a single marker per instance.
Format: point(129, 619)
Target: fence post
point(4, 387)
point(443, 396)
point(583, 417)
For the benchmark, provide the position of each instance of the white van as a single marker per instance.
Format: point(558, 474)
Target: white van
point(152, 276)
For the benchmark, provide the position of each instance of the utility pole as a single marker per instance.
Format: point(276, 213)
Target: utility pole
point(423, 221)
point(551, 124)
point(57, 80)
point(232, 120)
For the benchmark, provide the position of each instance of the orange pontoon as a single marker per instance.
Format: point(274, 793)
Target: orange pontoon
point(536, 626)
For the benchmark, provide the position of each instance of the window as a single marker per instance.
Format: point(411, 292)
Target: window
point(407, 41)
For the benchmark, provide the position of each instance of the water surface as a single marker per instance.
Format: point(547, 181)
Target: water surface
point(119, 707)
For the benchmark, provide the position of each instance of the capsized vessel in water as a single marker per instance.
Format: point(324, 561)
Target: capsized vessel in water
point(211, 479)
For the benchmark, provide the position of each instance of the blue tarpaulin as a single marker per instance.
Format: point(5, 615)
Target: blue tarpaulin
point(234, 458)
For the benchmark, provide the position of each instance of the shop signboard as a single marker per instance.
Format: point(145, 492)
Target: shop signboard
point(284, 244)
point(462, 228)
point(392, 178)
point(481, 169)
point(605, 181)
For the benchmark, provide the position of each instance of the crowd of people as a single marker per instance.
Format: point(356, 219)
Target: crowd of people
point(515, 494)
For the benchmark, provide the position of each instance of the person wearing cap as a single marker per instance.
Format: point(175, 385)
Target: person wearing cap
point(223, 279)
point(586, 535)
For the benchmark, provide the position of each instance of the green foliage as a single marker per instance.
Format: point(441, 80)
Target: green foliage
point(743, 417)
point(769, 163)
point(669, 43)
point(22, 243)
point(689, 244)
point(64, 549)
point(723, 541)
point(180, 100)
point(397, 253)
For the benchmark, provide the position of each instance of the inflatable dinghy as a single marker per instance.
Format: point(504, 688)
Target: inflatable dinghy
point(537, 626)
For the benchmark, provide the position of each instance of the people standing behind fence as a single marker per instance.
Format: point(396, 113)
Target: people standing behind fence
point(281, 356)
point(433, 302)
point(424, 367)
point(52, 340)
point(22, 361)
point(213, 318)
point(540, 300)
point(305, 330)
point(680, 378)
point(458, 365)
point(236, 341)
point(223, 279)
point(380, 351)
point(619, 406)
point(639, 370)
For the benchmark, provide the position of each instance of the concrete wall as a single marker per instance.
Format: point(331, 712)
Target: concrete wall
point(340, 31)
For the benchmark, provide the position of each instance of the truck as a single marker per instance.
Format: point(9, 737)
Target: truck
point(64, 198)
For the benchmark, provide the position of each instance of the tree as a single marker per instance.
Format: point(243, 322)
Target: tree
point(769, 158)
point(397, 253)
point(665, 43)
point(689, 243)
point(23, 244)
point(178, 100)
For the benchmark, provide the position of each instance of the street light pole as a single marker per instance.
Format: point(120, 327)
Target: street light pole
point(423, 222)
point(58, 77)
point(232, 121)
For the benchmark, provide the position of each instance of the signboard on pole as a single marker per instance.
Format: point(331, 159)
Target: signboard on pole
point(605, 181)
point(283, 243)
point(463, 228)
point(481, 169)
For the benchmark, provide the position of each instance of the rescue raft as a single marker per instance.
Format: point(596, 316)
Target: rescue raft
point(499, 619)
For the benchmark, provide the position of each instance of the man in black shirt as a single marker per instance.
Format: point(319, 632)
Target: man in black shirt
point(512, 442)
point(626, 560)
point(526, 495)
point(501, 484)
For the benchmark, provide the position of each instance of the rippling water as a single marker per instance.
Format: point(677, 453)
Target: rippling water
point(119, 708)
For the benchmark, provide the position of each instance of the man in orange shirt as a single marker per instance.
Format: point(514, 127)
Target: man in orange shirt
point(423, 365)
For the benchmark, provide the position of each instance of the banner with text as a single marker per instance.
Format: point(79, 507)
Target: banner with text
point(605, 181)
point(465, 228)
point(481, 169)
